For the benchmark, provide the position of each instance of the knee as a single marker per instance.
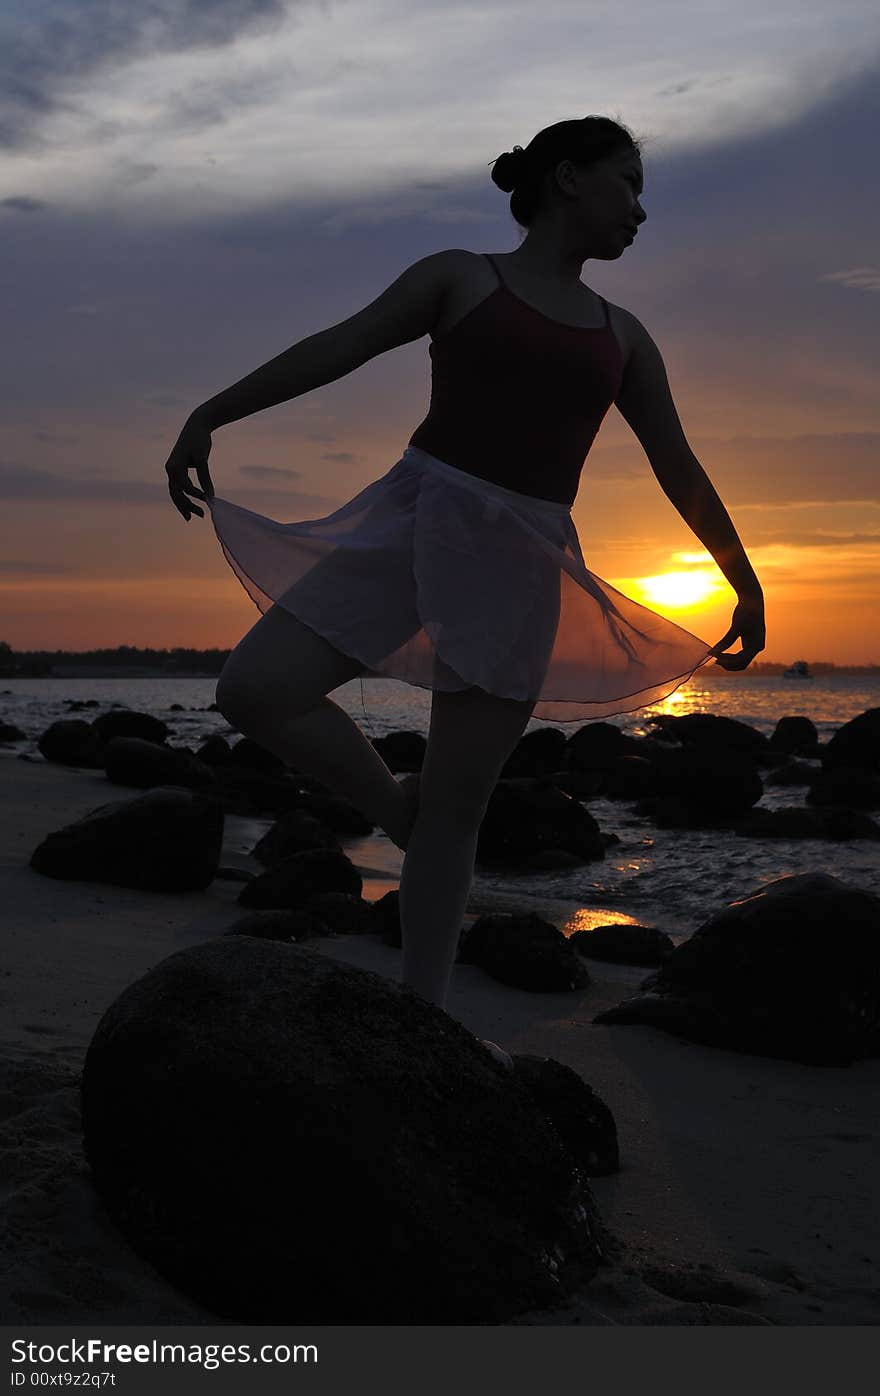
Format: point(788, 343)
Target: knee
point(233, 700)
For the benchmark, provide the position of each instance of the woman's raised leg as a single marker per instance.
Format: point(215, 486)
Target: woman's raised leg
point(273, 689)
point(471, 735)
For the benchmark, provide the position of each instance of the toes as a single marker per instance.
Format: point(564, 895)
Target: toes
point(503, 1058)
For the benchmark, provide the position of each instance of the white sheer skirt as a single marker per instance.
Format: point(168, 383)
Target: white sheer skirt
point(441, 579)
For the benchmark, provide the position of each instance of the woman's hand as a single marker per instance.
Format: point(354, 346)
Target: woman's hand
point(190, 452)
point(747, 623)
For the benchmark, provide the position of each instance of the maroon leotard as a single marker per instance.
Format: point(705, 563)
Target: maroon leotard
point(517, 398)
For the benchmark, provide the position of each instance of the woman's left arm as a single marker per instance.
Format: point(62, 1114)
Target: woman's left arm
point(645, 402)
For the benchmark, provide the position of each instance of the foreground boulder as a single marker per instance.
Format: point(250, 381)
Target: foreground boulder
point(290, 1139)
point(792, 970)
point(168, 840)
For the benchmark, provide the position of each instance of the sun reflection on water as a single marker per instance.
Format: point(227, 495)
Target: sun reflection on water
point(587, 918)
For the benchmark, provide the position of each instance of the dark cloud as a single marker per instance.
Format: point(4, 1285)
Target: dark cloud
point(22, 482)
point(34, 568)
point(269, 472)
point(821, 538)
point(48, 46)
point(21, 203)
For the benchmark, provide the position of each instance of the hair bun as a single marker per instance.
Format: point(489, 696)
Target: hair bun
point(507, 170)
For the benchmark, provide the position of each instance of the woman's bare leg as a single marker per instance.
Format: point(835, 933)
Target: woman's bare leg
point(273, 689)
point(471, 735)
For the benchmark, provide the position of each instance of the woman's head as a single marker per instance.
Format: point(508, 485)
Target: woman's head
point(587, 172)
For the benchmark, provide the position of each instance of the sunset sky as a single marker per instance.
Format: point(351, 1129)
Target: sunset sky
point(189, 188)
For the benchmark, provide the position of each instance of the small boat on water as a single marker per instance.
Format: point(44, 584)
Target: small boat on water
point(800, 669)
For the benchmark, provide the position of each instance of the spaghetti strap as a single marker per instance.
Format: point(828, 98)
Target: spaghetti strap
point(491, 259)
point(502, 282)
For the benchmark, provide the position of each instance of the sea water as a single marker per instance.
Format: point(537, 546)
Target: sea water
point(670, 878)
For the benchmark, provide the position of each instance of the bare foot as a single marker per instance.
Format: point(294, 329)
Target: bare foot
point(503, 1058)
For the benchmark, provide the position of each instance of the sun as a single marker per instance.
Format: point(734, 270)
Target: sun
point(678, 588)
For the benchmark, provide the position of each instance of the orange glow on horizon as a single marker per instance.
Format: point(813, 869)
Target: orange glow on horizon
point(684, 589)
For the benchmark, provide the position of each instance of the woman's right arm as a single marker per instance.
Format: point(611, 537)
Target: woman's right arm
point(405, 311)
point(408, 309)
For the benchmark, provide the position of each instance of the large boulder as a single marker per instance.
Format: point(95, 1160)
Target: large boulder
point(292, 880)
point(127, 722)
point(401, 751)
point(72, 742)
point(856, 744)
point(168, 840)
point(290, 1139)
point(523, 950)
point(525, 816)
point(142, 763)
point(792, 970)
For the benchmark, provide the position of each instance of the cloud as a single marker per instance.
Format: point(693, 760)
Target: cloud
point(859, 278)
point(35, 568)
point(22, 483)
point(48, 47)
point(21, 203)
point(269, 472)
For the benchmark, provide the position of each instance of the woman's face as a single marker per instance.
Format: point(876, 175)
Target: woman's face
point(616, 210)
point(607, 203)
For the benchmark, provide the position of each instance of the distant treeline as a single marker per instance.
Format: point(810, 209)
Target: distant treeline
point(127, 661)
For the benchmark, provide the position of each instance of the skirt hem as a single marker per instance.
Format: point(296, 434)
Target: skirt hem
point(669, 683)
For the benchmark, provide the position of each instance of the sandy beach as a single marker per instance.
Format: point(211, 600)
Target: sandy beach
point(747, 1188)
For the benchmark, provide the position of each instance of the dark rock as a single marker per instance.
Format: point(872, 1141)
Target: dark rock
point(401, 751)
point(631, 778)
point(72, 742)
point(122, 722)
point(337, 814)
point(856, 743)
point(582, 785)
point(286, 925)
point(707, 784)
point(294, 832)
point(538, 753)
point(343, 913)
point(10, 733)
point(168, 840)
point(254, 757)
point(580, 1117)
point(289, 1139)
point(623, 944)
point(523, 950)
point(291, 882)
point(214, 751)
point(248, 792)
point(595, 747)
point(143, 764)
point(386, 918)
point(524, 816)
point(855, 786)
point(796, 735)
point(792, 970)
point(706, 730)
